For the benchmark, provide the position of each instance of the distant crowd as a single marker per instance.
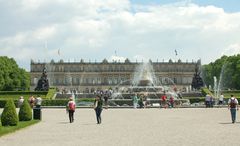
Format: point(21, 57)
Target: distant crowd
point(33, 101)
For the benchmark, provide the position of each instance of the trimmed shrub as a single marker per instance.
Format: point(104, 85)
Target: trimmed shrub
point(56, 102)
point(51, 92)
point(9, 115)
point(25, 112)
point(3, 102)
point(206, 91)
point(196, 99)
point(63, 102)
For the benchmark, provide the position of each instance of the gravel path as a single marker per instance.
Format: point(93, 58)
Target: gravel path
point(128, 127)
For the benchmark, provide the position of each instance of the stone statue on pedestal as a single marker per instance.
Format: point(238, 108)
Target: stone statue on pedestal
point(197, 81)
point(43, 84)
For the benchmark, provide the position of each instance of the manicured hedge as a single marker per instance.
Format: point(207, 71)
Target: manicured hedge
point(9, 115)
point(3, 102)
point(25, 112)
point(231, 91)
point(17, 94)
point(51, 93)
point(26, 94)
point(63, 102)
point(196, 99)
point(23, 92)
point(206, 91)
point(202, 99)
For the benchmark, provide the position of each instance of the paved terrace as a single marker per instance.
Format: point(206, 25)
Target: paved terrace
point(129, 127)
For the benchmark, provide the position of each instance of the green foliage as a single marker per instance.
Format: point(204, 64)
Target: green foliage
point(25, 112)
point(3, 102)
point(8, 129)
point(9, 115)
point(196, 99)
point(25, 94)
point(231, 72)
point(63, 102)
point(59, 102)
point(12, 77)
point(51, 93)
point(206, 91)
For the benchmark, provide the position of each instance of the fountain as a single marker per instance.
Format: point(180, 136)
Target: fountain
point(220, 82)
point(50, 70)
point(218, 85)
point(145, 83)
point(215, 86)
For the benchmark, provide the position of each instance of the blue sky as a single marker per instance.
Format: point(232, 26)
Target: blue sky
point(227, 5)
point(118, 29)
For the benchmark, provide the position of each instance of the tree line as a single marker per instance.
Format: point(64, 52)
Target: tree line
point(227, 71)
point(12, 78)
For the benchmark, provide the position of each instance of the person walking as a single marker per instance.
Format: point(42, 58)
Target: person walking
point(71, 106)
point(98, 108)
point(233, 106)
point(135, 101)
point(221, 98)
point(106, 96)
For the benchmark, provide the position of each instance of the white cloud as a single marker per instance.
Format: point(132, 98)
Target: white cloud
point(94, 29)
point(116, 58)
point(232, 49)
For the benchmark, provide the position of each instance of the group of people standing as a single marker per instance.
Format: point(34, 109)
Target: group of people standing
point(32, 101)
point(232, 104)
point(209, 100)
point(98, 107)
point(164, 103)
point(143, 101)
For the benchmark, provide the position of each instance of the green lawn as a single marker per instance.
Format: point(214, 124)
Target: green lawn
point(9, 129)
point(16, 96)
point(228, 95)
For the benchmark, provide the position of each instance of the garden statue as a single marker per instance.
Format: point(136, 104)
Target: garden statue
point(197, 81)
point(43, 84)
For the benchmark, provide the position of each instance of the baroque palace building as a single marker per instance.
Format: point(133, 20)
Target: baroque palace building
point(90, 76)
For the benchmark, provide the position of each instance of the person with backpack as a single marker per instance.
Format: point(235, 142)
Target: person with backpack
point(98, 108)
point(171, 102)
point(164, 101)
point(71, 106)
point(233, 106)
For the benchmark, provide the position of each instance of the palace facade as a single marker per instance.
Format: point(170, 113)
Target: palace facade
point(90, 76)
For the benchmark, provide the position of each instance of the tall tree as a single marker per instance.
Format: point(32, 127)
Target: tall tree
point(11, 76)
point(227, 68)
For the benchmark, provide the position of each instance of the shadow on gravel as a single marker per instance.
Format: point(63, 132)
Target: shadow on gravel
point(63, 122)
point(226, 123)
point(89, 124)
